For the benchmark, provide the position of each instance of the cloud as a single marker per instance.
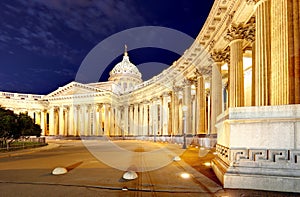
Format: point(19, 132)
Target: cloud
point(49, 28)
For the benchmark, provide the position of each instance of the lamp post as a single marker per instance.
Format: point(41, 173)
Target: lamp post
point(184, 110)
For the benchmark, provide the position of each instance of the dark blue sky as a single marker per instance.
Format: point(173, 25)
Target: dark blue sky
point(43, 42)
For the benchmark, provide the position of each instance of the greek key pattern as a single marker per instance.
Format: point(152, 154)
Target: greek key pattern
point(258, 155)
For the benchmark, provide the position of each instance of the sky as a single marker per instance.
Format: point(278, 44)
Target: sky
point(44, 42)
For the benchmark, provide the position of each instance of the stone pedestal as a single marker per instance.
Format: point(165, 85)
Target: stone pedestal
point(259, 148)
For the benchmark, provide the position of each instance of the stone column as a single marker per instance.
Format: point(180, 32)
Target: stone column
point(71, 120)
point(131, 121)
point(216, 89)
point(86, 120)
point(145, 121)
point(193, 115)
point(118, 121)
point(125, 121)
point(187, 103)
point(106, 119)
point(175, 111)
point(95, 121)
point(150, 127)
point(38, 118)
point(208, 113)
point(235, 36)
point(66, 121)
point(61, 121)
point(76, 124)
point(43, 122)
point(201, 105)
point(51, 121)
point(112, 121)
point(154, 114)
point(285, 54)
point(100, 126)
point(165, 113)
point(136, 120)
point(262, 53)
point(80, 120)
point(180, 113)
point(160, 114)
point(140, 124)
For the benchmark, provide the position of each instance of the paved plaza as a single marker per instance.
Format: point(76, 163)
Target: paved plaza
point(28, 172)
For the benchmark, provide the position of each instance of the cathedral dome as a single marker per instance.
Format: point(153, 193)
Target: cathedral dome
point(125, 73)
point(125, 67)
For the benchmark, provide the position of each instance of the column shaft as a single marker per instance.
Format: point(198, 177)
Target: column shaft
point(216, 93)
point(136, 120)
point(187, 103)
point(236, 74)
point(61, 121)
point(51, 121)
point(165, 114)
point(285, 39)
point(131, 121)
point(125, 125)
point(145, 121)
point(140, 124)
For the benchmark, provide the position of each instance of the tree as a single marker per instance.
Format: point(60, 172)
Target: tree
point(12, 126)
point(27, 127)
point(8, 127)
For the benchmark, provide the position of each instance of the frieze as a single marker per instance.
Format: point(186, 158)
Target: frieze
point(237, 155)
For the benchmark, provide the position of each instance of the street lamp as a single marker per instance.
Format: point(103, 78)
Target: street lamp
point(184, 110)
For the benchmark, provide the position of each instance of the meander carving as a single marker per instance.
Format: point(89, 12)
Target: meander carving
point(258, 155)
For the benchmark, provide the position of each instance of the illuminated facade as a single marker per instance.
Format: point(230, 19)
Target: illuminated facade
point(238, 81)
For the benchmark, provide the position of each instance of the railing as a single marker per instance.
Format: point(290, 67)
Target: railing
point(20, 96)
point(23, 144)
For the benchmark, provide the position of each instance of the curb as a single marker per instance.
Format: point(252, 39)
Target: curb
point(29, 151)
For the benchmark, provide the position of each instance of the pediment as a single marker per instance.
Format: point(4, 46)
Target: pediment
point(74, 88)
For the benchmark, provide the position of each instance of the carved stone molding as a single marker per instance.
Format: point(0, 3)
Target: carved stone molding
point(258, 155)
point(236, 31)
point(252, 1)
point(218, 56)
point(250, 30)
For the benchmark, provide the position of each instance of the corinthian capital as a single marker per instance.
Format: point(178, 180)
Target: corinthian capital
point(250, 30)
point(235, 31)
point(252, 1)
point(218, 56)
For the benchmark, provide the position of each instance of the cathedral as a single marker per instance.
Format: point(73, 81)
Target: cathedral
point(237, 87)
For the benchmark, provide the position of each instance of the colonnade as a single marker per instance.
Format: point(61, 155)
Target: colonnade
point(160, 115)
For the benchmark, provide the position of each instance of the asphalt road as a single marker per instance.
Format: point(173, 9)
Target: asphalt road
point(95, 168)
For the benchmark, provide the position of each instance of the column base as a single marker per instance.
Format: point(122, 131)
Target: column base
point(259, 148)
point(259, 178)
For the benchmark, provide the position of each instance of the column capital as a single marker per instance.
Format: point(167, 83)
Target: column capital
point(250, 30)
point(153, 99)
point(165, 94)
point(186, 82)
point(219, 56)
point(235, 32)
point(177, 88)
point(252, 1)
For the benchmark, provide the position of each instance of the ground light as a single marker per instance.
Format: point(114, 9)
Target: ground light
point(207, 164)
point(59, 171)
point(130, 175)
point(185, 175)
point(177, 158)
